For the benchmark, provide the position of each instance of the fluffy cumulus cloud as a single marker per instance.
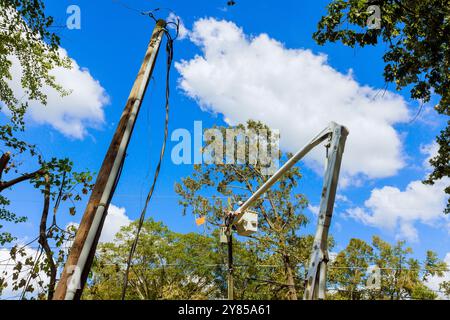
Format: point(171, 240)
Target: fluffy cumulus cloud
point(115, 220)
point(399, 210)
point(73, 114)
point(296, 91)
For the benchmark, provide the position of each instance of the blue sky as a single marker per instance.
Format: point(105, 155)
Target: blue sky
point(110, 47)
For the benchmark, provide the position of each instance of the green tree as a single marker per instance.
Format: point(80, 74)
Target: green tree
point(168, 265)
point(445, 288)
point(417, 36)
point(348, 274)
point(402, 277)
point(58, 183)
point(27, 40)
point(28, 44)
point(280, 210)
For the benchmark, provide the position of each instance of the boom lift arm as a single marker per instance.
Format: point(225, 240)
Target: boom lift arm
point(336, 136)
point(315, 284)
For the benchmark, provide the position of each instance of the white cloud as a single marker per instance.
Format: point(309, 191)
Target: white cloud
point(71, 115)
point(431, 151)
point(314, 209)
point(296, 91)
point(115, 220)
point(399, 210)
point(342, 198)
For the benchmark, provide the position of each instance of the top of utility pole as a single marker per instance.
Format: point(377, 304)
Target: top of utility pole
point(161, 23)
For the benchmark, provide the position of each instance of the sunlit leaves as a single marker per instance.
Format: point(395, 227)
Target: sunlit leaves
point(417, 37)
point(402, 276)
point(25, 37)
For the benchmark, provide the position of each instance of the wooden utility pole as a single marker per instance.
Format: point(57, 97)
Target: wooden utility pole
point(82, 253)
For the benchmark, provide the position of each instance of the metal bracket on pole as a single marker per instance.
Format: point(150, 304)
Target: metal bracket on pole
point(337, 135)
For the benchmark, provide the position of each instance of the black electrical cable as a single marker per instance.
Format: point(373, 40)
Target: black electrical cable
point(169, 50)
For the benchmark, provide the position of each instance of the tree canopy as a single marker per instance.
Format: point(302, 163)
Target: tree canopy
point(28, 47)
point(401, 277)
point(171, 265)
point(417, 36)
point(26, 40)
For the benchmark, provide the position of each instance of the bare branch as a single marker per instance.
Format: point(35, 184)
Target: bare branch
point(27, 176)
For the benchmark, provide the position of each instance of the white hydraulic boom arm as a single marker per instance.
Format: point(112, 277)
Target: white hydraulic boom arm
point(315, 284)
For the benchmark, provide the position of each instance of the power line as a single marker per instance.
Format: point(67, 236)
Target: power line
point(249, 266)
point(127, 6)
point(171, 265)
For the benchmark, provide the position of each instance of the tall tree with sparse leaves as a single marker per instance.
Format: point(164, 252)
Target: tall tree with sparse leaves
point(280, 210)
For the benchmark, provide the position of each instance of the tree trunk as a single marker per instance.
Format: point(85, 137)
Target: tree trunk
point(4, 163)
point(292, 293)
point(43, 241)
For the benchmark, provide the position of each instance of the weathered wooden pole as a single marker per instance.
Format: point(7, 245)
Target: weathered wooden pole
point(79, 261)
